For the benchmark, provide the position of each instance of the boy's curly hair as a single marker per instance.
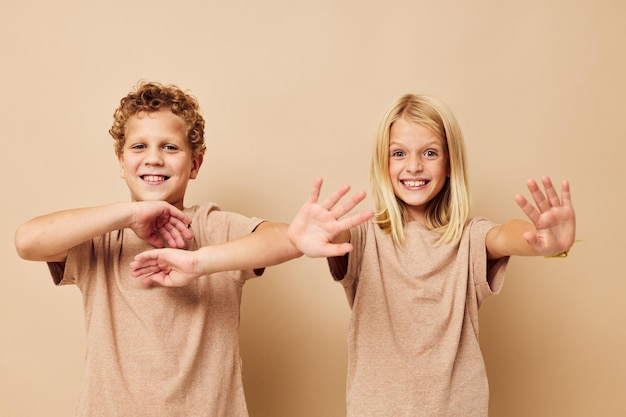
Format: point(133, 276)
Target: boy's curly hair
point(152, 96)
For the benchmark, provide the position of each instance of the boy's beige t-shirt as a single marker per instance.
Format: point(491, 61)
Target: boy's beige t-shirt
point(157, 351)
point(413, 334)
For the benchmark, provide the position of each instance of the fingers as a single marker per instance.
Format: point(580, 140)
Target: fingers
point(550, 198)
point(168, 233)
point(154, 279)
point(528, 209)
point(331, 201)
point(566, 196)
point(147, 266)
point(145, 263)
point(540, 200)
point(335, 250)
point(340, 250)
point(551, 193)
point(315, 192)
point(347, 206)
point(176, 232)
point(355, 220)
point(531, 238)
point(178, 214)
point(549, 208)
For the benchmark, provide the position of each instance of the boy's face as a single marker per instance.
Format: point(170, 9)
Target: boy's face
point(156, 159)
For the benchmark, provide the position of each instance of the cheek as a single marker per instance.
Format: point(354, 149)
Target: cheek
point(394, 169)
point(128, 165)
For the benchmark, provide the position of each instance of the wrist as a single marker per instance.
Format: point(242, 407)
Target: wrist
point(201, 261)
point(126, 215)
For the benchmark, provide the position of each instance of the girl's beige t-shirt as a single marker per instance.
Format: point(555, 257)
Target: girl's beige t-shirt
point(413, 334)
point(154, 351)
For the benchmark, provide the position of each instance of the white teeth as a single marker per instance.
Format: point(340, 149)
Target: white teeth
point(153, 178)
point(410, 183)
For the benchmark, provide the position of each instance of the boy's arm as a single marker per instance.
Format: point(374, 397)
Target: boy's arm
point(49, 237)
point(551, 230)
point(270, 244)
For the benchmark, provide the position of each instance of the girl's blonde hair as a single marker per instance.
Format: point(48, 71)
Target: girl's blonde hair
point(448, 212)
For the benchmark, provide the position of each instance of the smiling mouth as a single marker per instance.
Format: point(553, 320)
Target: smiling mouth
point(412, 183)
point(154, 178)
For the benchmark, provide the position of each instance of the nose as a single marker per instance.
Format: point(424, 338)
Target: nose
point(414, 164)
point(153, 157)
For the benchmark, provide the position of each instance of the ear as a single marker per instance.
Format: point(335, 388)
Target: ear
point(120, 160)
point(195, 166)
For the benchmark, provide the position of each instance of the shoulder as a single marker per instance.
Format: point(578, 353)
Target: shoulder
point(475, 232)
point(208, 221)
point(478, 225)
point(212, 213)
point(199, 210)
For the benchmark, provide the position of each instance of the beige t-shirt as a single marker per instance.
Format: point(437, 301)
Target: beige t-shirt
point(156, 351)
point(413, 334)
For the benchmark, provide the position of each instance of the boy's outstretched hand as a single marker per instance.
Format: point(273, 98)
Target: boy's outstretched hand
point(318, 231)
point(158, 222)
point(553, 217)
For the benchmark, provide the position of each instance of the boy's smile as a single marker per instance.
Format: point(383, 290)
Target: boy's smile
point(418, 165)
point(156, 161)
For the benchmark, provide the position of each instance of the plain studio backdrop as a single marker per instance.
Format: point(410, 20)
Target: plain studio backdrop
point(293, 90)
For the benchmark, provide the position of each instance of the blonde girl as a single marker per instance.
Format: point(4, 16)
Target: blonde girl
point(419, 270)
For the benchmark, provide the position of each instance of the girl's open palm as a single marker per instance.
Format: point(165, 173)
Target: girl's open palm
point(552, 216)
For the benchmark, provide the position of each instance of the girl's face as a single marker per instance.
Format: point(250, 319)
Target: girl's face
point(418, 165)
point(156, 160)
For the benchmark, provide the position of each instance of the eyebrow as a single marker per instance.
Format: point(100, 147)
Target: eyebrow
point(440, 144)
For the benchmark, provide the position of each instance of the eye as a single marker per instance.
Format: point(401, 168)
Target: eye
point(137, 146)
point(397, 153)
point(431, 153)
point(170, 147)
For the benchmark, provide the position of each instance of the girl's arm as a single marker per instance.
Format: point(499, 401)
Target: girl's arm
point(551, 230)
point(48, 238)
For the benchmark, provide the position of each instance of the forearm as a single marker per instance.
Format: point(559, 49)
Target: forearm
point(508, 240)
point(268, 245)
point(49, 237)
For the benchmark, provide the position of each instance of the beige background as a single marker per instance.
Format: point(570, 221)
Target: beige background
point(292, 90)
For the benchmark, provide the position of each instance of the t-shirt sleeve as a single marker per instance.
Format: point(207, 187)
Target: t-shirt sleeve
point(57, 270)
point(338, 266)
point(211, 226)
point(66, 272)
point(487, 275)
point(346, 269)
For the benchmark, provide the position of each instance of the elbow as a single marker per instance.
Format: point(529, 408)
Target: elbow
point(22, 245)
point(25, 244)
